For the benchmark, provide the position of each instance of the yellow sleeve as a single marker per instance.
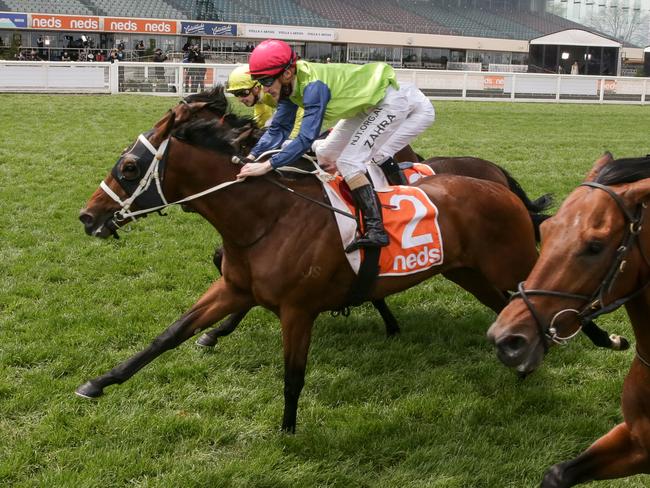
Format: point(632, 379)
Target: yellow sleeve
point(297, 123)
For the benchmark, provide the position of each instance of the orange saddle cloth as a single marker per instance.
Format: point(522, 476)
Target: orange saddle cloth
point(411, 221)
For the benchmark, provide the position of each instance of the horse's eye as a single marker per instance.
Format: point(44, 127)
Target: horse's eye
point(130, 171)
point(595, 247)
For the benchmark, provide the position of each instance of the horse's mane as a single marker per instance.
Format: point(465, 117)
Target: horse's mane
point(208, 134)
point(625, 170)
point(217, 102)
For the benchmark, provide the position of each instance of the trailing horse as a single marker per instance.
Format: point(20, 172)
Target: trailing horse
point(270, 249)
point(595, 258)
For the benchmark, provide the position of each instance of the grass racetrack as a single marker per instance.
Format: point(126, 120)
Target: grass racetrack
point(433, 408)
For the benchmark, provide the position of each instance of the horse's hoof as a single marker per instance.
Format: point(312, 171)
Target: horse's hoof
point(206, 341)
point(553, 477)
point(89, 390)
point(619, 343)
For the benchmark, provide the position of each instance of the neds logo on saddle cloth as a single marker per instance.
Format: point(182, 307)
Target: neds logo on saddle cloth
point(411, 221)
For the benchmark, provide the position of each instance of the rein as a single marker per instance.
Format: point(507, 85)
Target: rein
point(153, 175)
point(594, 303)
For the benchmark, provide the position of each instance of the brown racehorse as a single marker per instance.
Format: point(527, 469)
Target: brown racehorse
point(270, 250)
point(595, 257)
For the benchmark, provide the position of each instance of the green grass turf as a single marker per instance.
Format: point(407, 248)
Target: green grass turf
point(433, 408)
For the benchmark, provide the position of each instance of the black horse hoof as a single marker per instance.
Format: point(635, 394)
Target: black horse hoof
point(89, 390)
point(619, 343)
point(206, 341)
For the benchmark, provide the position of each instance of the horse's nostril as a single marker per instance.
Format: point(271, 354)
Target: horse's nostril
point(511, 347)
point(86, 219)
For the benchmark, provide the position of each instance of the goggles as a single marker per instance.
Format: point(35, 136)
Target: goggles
point(269, 79)
point(241, 93)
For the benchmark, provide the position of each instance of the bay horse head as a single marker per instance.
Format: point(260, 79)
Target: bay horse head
point(594, 258)
point(136, 185)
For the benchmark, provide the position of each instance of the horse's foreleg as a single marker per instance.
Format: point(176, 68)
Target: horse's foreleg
point(209, 339)
point(296, 337)
point(478, 285)
point(601, 338)
point(215, 304)
point(615, 455)
point(392, 328)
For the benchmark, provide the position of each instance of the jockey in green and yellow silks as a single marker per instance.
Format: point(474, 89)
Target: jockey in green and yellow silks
point(376, 117)
point(250, 93)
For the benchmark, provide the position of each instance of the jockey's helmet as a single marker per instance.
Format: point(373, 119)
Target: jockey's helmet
point(271, 58)
point(240, 79)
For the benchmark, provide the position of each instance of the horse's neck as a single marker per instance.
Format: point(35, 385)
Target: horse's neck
point(638, 309)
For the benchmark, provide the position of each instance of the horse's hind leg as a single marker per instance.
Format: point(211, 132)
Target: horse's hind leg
point(389, 319)
point(210, 338)
point(478, 285)
point(601, 338)
point(296, 337)
point(219, 301)
point(615, 455)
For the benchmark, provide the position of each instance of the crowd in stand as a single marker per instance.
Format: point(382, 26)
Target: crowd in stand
point(85, 51)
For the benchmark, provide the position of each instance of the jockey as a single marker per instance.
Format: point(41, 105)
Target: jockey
point(376, 118)
point(249, 92)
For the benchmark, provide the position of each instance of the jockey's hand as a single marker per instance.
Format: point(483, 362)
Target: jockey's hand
point(254, 169)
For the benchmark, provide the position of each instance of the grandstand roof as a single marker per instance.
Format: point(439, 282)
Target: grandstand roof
point(575, 37)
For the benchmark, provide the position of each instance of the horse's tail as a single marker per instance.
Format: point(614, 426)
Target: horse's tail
point(535, 207)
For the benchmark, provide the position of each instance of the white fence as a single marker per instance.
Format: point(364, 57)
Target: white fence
point(177, 79)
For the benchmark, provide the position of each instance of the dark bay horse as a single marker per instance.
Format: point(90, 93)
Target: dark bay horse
point(595, 258)
point(269, 249)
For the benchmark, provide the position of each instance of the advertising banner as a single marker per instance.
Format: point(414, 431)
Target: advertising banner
point(65, 22)
point(290, 33)
point(13, 21)
point(208, 29)
point(148, 26)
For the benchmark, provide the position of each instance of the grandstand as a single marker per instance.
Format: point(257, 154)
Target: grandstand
point(70, 7)
point(505, 21)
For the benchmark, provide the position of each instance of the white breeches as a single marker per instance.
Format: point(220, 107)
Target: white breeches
point(377, 133)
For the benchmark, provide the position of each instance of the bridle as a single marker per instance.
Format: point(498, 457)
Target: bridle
point(148, 193)
point(594, 303)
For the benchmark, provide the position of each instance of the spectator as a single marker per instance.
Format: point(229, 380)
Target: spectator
point(198, 74)
point(139, 49)
point(159, 56)
point(112, 57)
point(65, 56)
point(99, 56)
point(120, 52)
point(40, 43)
point(575, 69)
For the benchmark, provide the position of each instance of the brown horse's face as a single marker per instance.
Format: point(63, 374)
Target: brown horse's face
point(579, 249)
point(99, 214)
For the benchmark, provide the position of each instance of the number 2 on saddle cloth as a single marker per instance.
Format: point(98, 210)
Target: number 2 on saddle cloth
point(410, 219)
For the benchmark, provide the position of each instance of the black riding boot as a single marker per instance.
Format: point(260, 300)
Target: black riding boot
point(373, 225)
point(393, 172)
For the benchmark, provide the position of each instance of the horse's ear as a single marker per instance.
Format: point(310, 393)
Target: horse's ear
point(242, 136)
point(598, 165)
point(638, 191)
point(163, 128)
